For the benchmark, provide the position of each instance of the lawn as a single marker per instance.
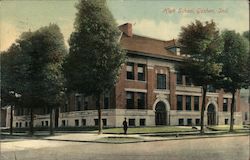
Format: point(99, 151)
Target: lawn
point(142, 130)
point(226, 127)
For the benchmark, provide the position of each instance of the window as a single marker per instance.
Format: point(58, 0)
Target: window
point(26, 124)
point(141, 101)
point(21, 111)
point(179, 102)
point(42, 123)
point(104, 122)
point(76, 122)
point(188, 103)
point(46, 110)
point(226, 121)
point(161, 81)
point(130, 100)
point(17, 113)
point(20, 124)
point(78, 102)
point(46, 123)
point(189, 121)
point(142, 122)
point(141, 72)
point(26, 111)
point(197, 122)
point(178, 78)
point(96, 122)
point(96, 103)
point(63, 123)
point(86, 103)
point(130, 70)
point(225, 106)
point(83, 122)
point(196, 103)
point(66, 105)
point(106, 101)
point(246, 115)
point(16, 124)
point(181, 122)
point(131, 122)
point(188, 80)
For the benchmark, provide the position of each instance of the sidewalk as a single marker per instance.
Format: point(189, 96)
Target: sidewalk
point(133, 138)
point(118, 137)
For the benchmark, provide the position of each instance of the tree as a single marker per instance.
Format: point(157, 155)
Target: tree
point(12, 63)
point(235, 73)
point(95, 56)
point(40, 81)
point(202, 44)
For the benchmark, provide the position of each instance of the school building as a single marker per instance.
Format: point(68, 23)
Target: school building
point(150, 91)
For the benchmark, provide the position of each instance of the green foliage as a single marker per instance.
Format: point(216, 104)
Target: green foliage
point(95, 56)
point(202, 43)
point(14, 71)
point(246, 35)
point(32, 67)
point(235, 60)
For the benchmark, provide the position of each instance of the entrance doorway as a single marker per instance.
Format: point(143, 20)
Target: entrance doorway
point(160, 114)
point(211, 115)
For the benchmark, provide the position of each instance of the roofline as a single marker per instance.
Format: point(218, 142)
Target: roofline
point(153, 38)
point(178, 59)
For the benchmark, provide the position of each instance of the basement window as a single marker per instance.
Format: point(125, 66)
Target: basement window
point(131, 122)
point(76, 122)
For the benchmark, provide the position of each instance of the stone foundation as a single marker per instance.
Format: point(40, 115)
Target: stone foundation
point(115, 117)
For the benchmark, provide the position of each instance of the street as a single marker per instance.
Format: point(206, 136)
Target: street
point(224, 148)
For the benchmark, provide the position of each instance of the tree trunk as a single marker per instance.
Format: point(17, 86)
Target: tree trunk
point(204, 89)
point(11, 119)
point(51, 126)
point(99, 114)
point(232, 113)
point(31, 121)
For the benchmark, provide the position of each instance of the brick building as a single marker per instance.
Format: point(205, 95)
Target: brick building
point(150, 91)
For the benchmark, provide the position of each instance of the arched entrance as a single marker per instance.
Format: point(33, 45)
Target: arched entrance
point(211, 115)
point(160, 114)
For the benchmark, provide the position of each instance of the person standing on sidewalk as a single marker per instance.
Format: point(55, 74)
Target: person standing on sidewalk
point(125, 126)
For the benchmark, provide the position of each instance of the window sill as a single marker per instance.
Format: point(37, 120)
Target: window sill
point(135, 80)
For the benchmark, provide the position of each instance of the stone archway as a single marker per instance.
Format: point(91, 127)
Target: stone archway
point(211, 114)
point(160, 113)
point(161, 108)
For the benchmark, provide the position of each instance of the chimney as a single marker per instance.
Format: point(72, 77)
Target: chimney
point(127, 29)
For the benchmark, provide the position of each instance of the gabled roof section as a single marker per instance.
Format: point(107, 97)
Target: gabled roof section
point(146, 45)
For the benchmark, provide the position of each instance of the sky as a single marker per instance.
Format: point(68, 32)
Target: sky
point(161, 19)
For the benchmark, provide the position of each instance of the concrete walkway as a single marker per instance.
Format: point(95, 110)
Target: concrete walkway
point(132, 138)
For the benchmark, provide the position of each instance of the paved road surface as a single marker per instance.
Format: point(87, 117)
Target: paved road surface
point(226, 148)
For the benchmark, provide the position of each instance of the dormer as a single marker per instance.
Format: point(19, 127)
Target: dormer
point(174, 47)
